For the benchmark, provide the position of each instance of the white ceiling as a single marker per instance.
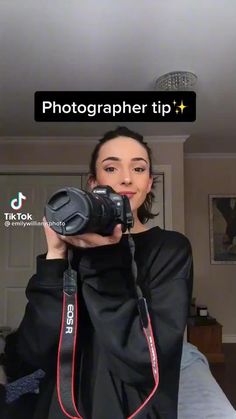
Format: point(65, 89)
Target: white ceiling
point(119, 45)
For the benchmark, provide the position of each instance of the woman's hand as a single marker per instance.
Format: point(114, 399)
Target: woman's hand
point(57, 244)
point(88, 240)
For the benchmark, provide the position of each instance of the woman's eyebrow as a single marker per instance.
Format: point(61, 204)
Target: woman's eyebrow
point(118, 159)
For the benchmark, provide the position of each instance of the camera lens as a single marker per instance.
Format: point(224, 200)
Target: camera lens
point(71, 211)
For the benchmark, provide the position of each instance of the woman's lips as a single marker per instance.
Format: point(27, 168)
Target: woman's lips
point(128, 194)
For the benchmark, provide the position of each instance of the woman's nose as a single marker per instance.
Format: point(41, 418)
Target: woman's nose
point(126, 176)
point(126, 180)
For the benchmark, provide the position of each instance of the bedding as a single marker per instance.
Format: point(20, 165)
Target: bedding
point(200, 397)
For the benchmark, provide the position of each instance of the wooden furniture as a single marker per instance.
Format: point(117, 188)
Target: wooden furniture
point(208, 339)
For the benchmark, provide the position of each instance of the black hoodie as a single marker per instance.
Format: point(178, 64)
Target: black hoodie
point(113, 362)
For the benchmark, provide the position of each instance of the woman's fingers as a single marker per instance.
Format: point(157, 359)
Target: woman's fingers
point(57, 243)
point(117, 233)
point(56, 246)
point(93, 240)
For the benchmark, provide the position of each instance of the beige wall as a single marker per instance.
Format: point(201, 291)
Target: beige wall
point(72, 153)
point(214, 285)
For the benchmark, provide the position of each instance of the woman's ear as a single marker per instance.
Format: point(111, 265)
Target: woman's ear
point(92, 182)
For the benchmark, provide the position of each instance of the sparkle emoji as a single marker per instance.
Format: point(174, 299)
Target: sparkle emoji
point(182, 107)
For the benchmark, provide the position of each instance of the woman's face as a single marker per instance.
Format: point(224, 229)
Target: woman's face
point(123, 164)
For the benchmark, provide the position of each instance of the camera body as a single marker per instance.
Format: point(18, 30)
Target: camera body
point(71, 211)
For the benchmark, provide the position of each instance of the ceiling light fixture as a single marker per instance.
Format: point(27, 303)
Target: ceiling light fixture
point(176, 80)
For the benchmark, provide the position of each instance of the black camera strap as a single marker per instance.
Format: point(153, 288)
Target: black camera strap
point(66, 360)
point(67, 344)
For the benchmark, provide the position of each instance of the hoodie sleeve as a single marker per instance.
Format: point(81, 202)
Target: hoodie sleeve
point(37, 336)
point(109, 295)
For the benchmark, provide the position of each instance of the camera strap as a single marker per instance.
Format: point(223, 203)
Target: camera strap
point(66, 359)
point(67, 344)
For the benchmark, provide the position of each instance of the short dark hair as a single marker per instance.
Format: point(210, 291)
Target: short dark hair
point(144, 212)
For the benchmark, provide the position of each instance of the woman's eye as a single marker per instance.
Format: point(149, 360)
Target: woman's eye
point(139, 169)
point(109, 169)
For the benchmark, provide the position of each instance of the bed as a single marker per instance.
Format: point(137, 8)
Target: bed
point(200, 397)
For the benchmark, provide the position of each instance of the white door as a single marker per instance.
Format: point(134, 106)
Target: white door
point(21, 244)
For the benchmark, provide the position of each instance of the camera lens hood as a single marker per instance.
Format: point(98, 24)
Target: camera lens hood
point(68, 211)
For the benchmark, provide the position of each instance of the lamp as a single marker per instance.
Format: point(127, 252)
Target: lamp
point(176, 80)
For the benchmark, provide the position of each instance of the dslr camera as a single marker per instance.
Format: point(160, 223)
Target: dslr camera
point(72, 211)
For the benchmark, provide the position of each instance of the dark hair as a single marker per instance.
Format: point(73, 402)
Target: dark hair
point(144, 212)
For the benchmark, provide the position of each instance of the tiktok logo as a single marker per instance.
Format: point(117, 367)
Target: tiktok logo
point(16, 203)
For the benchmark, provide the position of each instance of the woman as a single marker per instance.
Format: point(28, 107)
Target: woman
point(114, 371)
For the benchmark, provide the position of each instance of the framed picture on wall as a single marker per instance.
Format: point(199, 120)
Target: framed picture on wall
point(222, 213)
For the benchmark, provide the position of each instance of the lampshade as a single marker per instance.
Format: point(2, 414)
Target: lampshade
point(176, 80)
